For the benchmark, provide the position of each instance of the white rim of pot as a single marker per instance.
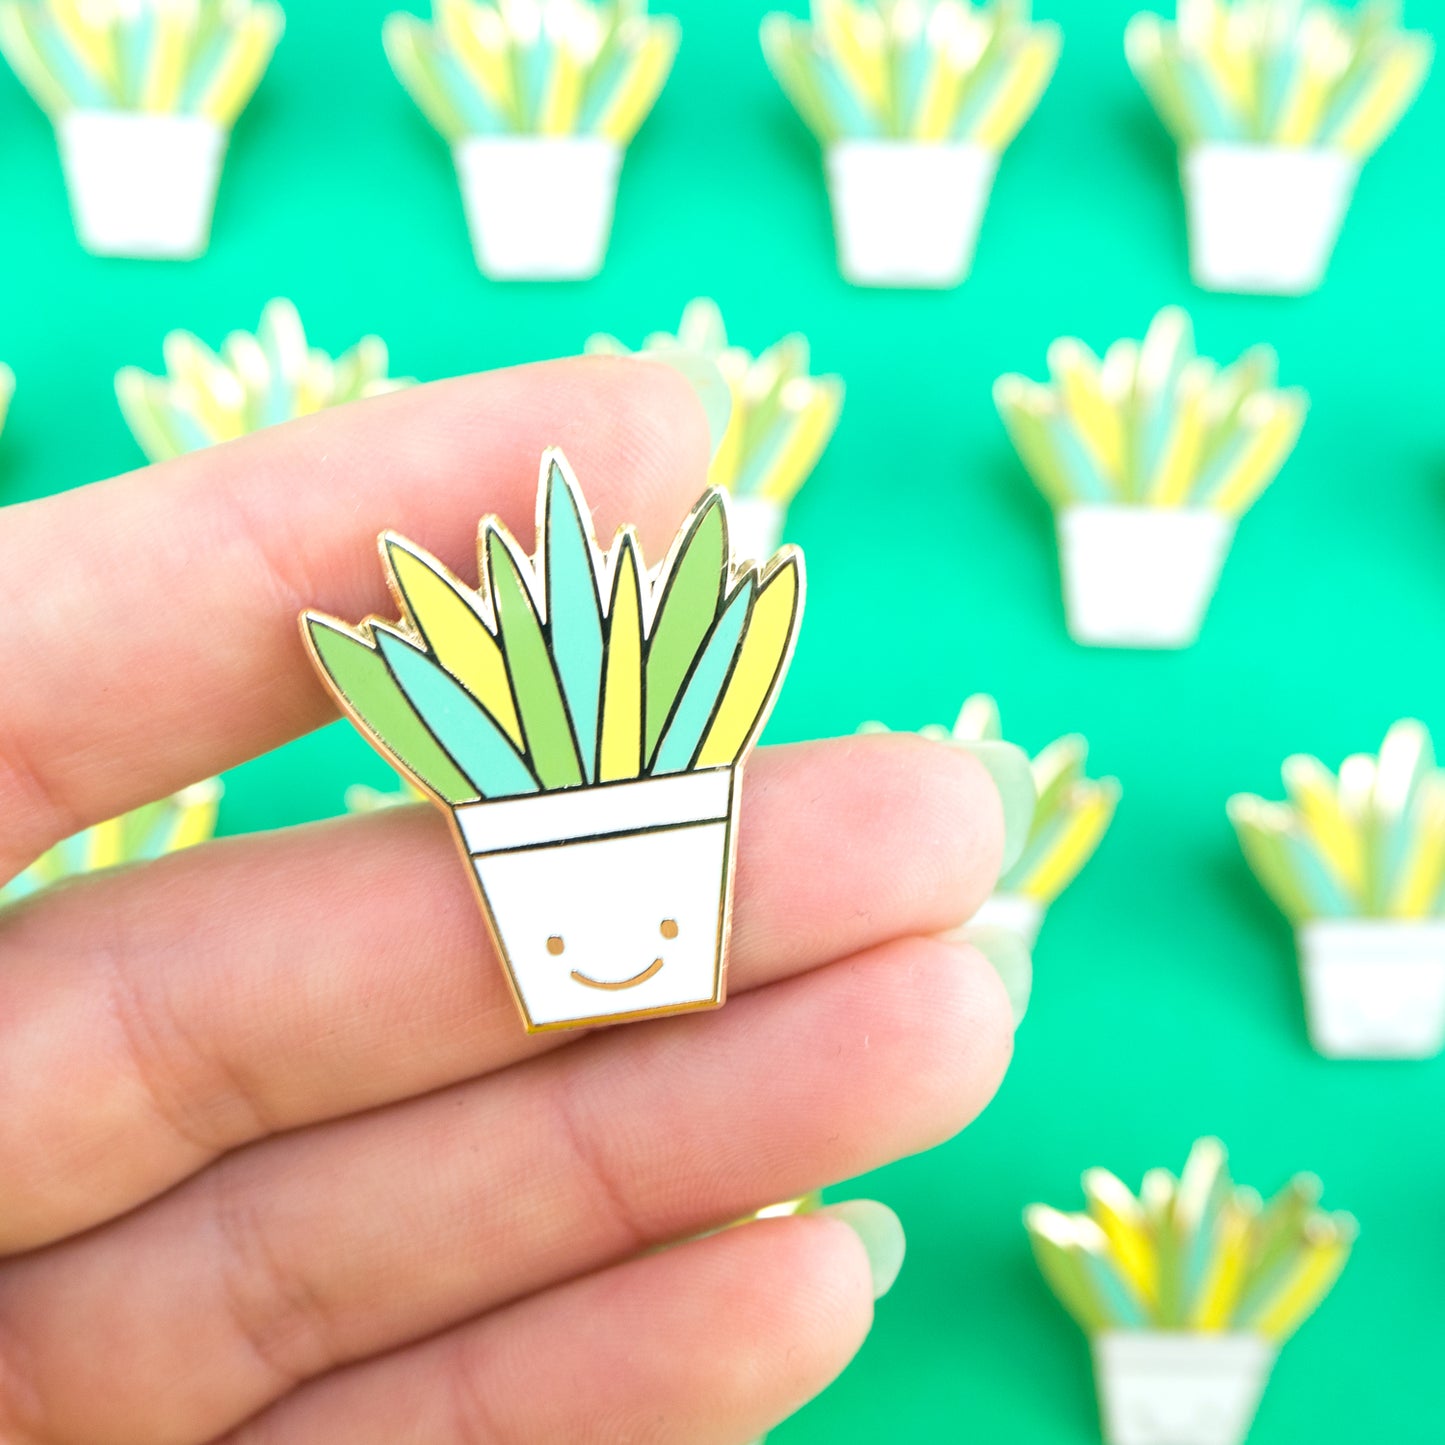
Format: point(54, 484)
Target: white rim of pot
point(1016, 912)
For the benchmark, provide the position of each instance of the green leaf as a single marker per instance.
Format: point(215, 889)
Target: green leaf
point(1064, 1273)
point(551, 748)
point(705, 684)
point(457, 720)
point(364, 685)
point(685, 616)
point(1057, 769)
point(574, 612)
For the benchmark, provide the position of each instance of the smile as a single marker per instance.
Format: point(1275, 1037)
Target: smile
point(632, 982)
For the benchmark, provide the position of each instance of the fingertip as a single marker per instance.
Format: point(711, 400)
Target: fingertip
point(986, 1010)
point(653, 422)
point(1008, 767)
point(710, 388)
point(1010, 957)
point(813, 1278)
point(958, 1020)
point(955, 819)
point(880, 1232)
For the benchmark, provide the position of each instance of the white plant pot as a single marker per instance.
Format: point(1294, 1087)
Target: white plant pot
point(755, 527)
point(1265, 218)
point(603, 869)
point(1138, 576)
point(141, 185)
point(539, 208)
point(908, 213)
point(1374, 987)
point(1160, 1387)
point(1013, 911)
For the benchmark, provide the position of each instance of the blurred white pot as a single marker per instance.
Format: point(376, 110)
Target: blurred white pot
point(907, 213)
point(539, 207)
point(1265, 218)
point(1013, 911)
point(141, 184)
point(1374, 987)
point(1139, 576)
point(1159, 1387)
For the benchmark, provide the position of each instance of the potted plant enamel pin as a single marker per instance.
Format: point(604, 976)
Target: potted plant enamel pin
point(584, 720)
point(1148, 456)
point(257, 379)
point(1275, 105)
point(1071, 815)
point(914, 102)
point(1070, 819)
point(1187, 1290)
point(143, 95)
point(1356, 862)
point(539, 100)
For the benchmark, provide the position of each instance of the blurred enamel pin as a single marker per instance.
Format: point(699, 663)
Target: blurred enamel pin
point(539, 100)
point(781, 419)
point(143, 95)
point(154, 830)
point(913, 102)
point(1356, 861)
point(1275, 104)
point(1149, 457)
point(255, 380)
point(1071, 816)
point(584, 720)
point(1187, 1290)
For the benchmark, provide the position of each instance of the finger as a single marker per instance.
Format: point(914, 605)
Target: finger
point(161, 641)
point(154, 1019)
point(707, 1344)
point(320, 1248)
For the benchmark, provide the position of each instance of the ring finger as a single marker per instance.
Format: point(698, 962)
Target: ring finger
point(306, 1252)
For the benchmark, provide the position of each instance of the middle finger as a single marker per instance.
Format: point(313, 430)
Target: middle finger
point(153, 1020)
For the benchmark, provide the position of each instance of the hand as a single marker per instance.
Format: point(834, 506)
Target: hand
point(277, 1163)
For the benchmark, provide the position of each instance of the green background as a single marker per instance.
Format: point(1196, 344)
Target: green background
point(1166, 1004)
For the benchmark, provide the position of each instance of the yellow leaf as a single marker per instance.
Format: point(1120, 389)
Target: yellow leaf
point(620, 750)
point(765, 644)
point(455, 632)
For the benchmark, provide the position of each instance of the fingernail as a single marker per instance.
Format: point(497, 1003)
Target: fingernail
point(707, 381)
point(1008, 766)
point(882, 1235)
point(1010, 957)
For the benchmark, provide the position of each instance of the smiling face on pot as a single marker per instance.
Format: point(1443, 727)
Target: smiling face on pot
point(557, 946)
point(613, 927)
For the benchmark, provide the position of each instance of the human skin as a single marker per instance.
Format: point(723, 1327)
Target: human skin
point(278, 1165)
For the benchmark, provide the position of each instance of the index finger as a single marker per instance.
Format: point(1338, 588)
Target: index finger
point(158, 610)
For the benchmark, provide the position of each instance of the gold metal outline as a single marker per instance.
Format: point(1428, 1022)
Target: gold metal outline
point(587, 981)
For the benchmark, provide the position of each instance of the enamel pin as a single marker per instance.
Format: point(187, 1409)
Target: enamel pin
point(584, 722)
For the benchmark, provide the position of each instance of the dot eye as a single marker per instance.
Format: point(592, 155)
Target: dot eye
point(669, 928)
point(555, 945)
